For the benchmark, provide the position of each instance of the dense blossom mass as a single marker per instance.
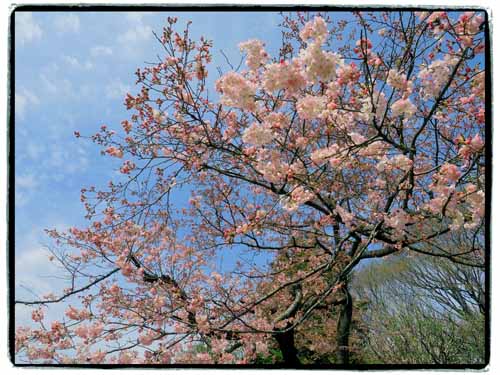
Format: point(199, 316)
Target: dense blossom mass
point(364, 137)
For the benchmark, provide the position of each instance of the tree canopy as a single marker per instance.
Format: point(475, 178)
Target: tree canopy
point(363, 139)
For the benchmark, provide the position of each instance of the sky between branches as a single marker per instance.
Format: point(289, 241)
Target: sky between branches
point(72, 71)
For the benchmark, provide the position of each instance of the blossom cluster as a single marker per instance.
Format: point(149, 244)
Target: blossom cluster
point(256, 55)
point(237, 91)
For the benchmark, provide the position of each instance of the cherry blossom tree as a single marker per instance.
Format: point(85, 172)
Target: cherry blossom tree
point(363, 138)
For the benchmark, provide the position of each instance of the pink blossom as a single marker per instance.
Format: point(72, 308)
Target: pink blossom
point(127, 126)
point(127, 269)
point(476, 200)
point(319, 65)
point(114, 289)
point(147, 339)
point(82, 331)
point(301, 195)
point(202, 322)
point(357, 138)
point(435, 76)
point(95, 329)
point(379, 102)
point(310, 107)
point(289, 204)
point(376, 148)
point(450, 171)
point(435, 205)
point(477, 143)
point(478, 85)
point(458, 221)
point(399, 161)
point(37, 315)
point(237, 91)
point(421, 15)
point(158, 116)
point(403, 106)
point(258, 134)
point(127, 167)
point(203, 357)
point(476, 203)
point(75, 314)
point(347, 73)
point(397, 219)
point(319, 156)
point(98, 356)
point(286, 75)
point(125, 358)
point(113, 151)
point(256, 55)
point(402, 162)
point(398, 81)
point(345, 215)
point(271, 167)
point(315, 29)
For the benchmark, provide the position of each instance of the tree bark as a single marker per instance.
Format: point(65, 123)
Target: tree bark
point(286, 343)
point(344, 328)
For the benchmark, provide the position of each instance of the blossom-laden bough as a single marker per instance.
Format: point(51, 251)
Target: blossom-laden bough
point(363, 138)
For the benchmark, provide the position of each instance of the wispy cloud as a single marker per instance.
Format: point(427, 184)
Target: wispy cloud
point(61, 87)
point(34, 150)
point(24, 100)
point(101, 51)
point(117, 90)
point(65, 161)
point(76, 63)
point(136, 35)
point(67, 23)
point(36, 275)
point(27, 181)
point(27, 29)
point(25, 188)
point(136, 16)
point(22, 198)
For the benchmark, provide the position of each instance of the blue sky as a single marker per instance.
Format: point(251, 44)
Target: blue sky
point(72, 71)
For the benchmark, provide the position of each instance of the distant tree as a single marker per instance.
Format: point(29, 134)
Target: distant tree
point(424, 310)
point(364, 137)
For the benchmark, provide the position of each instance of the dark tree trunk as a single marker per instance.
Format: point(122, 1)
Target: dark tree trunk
point(343, 329)
point(287, 346)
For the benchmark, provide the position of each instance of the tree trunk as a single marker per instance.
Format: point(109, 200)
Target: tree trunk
point(288, 350)
point(343, 329)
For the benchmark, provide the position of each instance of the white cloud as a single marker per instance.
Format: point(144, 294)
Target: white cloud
point(35, 274)
point(34, 262)
point(137, 34)
point(25, 188)
point(67, 23)
point(136, 17)
point(101, 51)
point(61, 87)
point(22, 198)
point(34, 150)
point(27, 29)
point(24, 100)
point(21, 103)
point(65, 160)
point(77, 64)
point(27, 181)
point(117, 90)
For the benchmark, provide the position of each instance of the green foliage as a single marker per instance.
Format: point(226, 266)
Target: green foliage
point(275, 356)
point(422, 310)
